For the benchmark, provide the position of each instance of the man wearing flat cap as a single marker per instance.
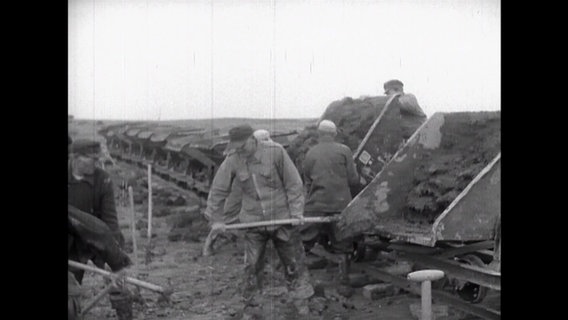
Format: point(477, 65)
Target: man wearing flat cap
point(90, 190)
point(412, 116)
point(271, 189)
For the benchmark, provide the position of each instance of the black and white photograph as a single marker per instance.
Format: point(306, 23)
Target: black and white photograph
point(284, 159)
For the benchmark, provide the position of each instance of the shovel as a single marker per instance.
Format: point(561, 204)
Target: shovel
point(207, 247)
point(107, 274)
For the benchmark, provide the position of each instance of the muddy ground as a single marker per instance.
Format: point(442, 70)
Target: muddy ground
point(207, 287)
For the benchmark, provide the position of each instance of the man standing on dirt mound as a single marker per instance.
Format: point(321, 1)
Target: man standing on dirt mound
point(412, 116)
point(271, 189)
point(329, 171)
point(90, 189)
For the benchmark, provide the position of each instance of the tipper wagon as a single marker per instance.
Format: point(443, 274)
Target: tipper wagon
point(437, 204)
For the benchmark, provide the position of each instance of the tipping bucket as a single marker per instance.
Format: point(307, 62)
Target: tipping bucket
point(421, 194)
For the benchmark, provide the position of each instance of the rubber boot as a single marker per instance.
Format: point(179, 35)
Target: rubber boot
point(121, 302)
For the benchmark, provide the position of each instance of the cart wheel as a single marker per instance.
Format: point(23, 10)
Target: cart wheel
point(469, 291)
point(363, 252)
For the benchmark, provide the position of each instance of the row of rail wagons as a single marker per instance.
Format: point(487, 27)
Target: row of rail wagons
point(188, 157)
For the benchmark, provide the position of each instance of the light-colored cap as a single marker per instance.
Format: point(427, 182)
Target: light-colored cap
point(327, 126)
point(261, 135)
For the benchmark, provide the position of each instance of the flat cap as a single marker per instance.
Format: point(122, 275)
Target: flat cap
point(393, 84)
point(238, 136)
point(327, 126)
point(85, 146)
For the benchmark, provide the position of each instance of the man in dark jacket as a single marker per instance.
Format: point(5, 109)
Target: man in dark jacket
point(90, 190)
point(329, 171)
point(412, 116)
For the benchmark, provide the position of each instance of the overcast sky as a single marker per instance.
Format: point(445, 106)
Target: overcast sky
point(175, 59)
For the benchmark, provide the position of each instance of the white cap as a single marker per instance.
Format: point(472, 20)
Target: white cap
point(327, 126)
point(261, 135)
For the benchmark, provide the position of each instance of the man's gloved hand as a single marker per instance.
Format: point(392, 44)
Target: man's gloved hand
point(220, 226)
point(118, 279)
point(119, 237)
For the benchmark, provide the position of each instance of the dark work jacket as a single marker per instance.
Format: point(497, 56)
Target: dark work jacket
point(91, 237)
point(329, 170)
point(93, 195)
point(412, 116)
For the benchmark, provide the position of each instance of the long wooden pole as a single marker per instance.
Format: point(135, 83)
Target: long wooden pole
point(245, 225)
point(95, 300)
point(149, 202)
point(207, 245)
point(133, 227)
point(107, 274)
point(373, 126)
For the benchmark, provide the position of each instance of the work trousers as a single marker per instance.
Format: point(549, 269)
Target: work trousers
point(74, 294)
point(120, 298)
point(324, 232)
point(286, 241)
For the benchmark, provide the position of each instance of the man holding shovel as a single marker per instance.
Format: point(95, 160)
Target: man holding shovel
point(90, 190)
point(271, 189)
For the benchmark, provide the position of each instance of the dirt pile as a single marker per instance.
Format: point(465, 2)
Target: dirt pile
point(181, 210)
point(183, 214)
point(465, 149)
point(301, 144)
point(353, 118)
point(187, 224)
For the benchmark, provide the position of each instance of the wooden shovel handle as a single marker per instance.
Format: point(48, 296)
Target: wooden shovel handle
point(245, 225)
point(107, 274)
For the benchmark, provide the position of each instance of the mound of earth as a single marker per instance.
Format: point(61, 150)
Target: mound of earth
point(465, 149)
point(353, 118)
point(429, 173)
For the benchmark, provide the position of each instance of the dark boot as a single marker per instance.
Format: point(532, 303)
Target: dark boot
point(121, 302)
point(74, 293)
